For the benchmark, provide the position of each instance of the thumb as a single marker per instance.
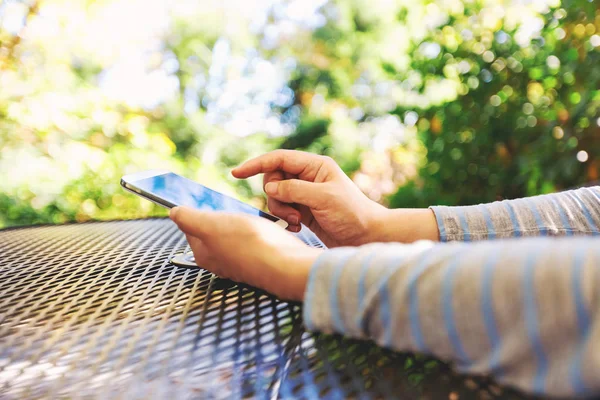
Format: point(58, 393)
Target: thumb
point(194, 222)
point(309, 194)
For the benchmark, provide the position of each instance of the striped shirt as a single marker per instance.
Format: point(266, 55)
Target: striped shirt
point(525, 311)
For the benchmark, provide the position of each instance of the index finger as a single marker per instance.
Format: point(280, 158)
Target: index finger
point(291, 161)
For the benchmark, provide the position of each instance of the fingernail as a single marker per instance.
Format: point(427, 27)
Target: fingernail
point(293, 220)
point(271, 188)
point(173, 213)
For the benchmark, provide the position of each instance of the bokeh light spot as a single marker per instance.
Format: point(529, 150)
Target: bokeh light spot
point(579, 30)
point(495, 100)
point(553, 62)
point(558, 132)
point(488, 56)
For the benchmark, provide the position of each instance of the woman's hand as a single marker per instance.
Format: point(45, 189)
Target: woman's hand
point(312, 189)
point(248, 249)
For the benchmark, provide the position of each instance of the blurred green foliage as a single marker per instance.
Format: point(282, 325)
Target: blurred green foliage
point(420, 102)
point(526, 121)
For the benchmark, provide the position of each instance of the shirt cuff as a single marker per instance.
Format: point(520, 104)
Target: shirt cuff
point(321, 310)
point(462, 223)
point(447, 222)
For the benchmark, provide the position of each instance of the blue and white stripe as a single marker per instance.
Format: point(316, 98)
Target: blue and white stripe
point(483, 305)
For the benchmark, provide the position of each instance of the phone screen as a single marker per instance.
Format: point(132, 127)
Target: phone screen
point(181, 191)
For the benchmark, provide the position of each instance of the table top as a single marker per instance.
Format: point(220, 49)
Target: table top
point(96, 310)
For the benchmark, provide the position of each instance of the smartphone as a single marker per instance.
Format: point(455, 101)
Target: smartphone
point(171, 190)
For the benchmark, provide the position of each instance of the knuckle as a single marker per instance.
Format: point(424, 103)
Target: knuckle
point(274, 160)
point(279, 153)
point(329, 162)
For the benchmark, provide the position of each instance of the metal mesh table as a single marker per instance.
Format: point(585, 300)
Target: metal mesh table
point(97, 311)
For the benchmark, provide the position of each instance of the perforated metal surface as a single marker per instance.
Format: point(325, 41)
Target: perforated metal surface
point(96, 311)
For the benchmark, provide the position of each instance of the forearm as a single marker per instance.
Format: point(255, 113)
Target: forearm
point(404, 226)
point(575, 212)
point(524, 311)
point(570, 213)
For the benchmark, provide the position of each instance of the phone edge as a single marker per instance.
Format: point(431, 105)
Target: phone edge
point(139, 192)
point(168, 205)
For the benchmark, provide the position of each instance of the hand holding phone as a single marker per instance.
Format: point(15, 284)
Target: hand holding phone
point(171, 190)
point(249, 250)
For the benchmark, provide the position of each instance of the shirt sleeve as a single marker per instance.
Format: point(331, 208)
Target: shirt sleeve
point(574, 212)
point(525, 312)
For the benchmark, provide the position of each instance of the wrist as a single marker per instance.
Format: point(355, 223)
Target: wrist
point(296, 269)
point(404, 225)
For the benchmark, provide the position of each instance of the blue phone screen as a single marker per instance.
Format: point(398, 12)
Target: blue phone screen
point(184, 192)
